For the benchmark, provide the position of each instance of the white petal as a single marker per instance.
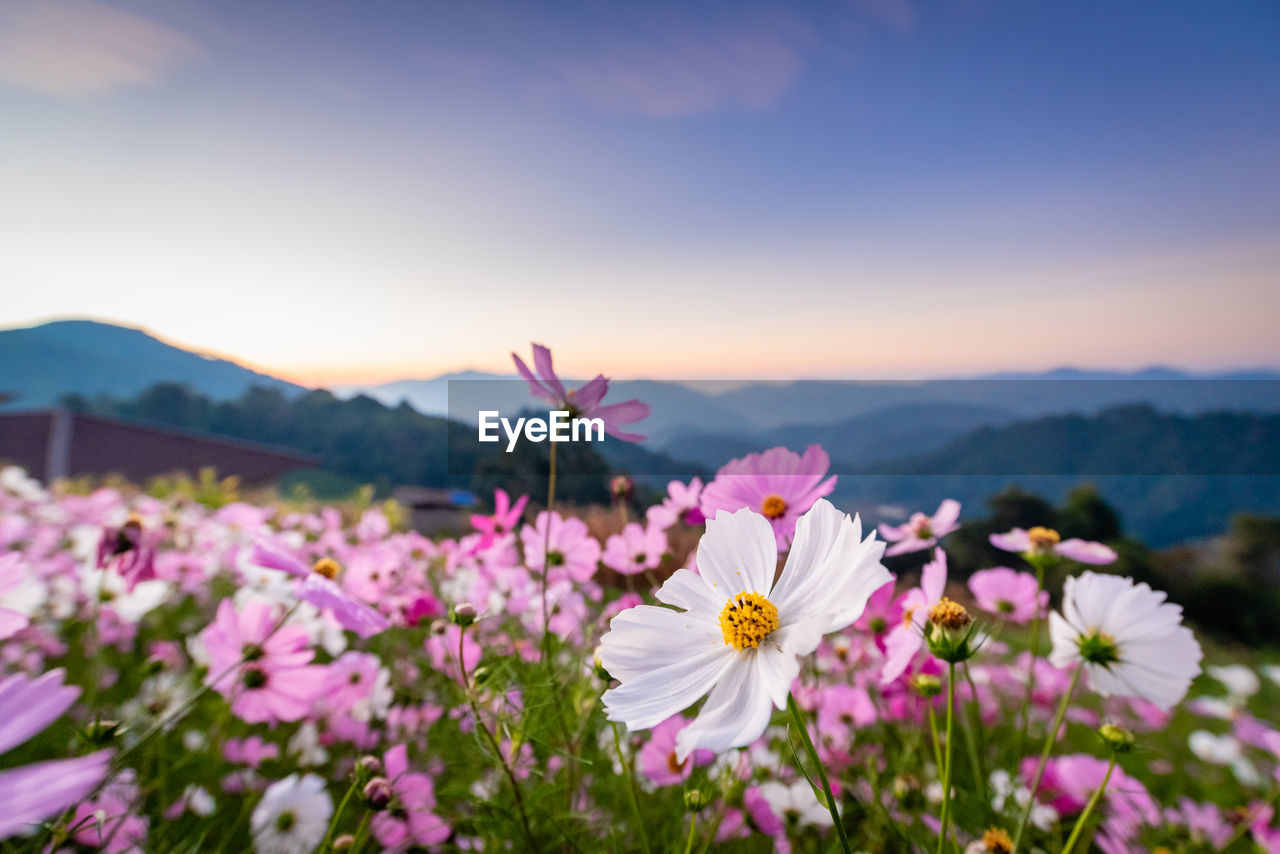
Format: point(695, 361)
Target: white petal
point(690, 591)
point(739, 552)
point(778, 667)
point(735, 714)
point(651, 698)
point(647, 637)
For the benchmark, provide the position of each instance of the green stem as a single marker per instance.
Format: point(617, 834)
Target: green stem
point(1031, 663)
point(822, 773)
point(631, 788)
point(1049, 741)
point(333, 825)
point(546, 554)
point(946, 771)
point(933, 733)
point(693, 823)
point(973, 737)
point(1088, 810)
point(362, 832)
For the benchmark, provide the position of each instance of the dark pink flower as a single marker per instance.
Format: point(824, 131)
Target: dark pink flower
point(505, 518)
point(779, 484)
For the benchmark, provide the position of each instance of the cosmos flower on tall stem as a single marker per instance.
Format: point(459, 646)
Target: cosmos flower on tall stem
point(739, 636)
point(1127, 640)
point(583, 402)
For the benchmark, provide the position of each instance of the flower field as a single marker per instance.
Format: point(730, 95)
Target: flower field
point(734, 670)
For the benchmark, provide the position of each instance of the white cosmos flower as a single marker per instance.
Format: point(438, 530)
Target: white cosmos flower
point(1128, 639)
point(740, 636)
point(292, 817)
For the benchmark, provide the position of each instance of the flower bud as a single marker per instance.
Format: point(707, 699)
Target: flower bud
point(598, 663)
point(368, 767)
point(378, 793)
point(463, 614)
point(907, 791)
point(949, 632)
point(102, 732)
point(344, 842)
point(1120, 740)
point(926, 685)
point(694, 800)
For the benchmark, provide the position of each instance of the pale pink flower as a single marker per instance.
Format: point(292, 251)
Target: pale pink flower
point(680, 505)
point(573, 551)
point(1007, 592)
point(1045, 542)
point(584, 402)
point(907, 638)
point(636, 549)
point(263, 671)
point(779, 484)
point(921, 532)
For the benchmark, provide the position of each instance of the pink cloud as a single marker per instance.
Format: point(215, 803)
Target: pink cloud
point(687, 73)
point(79, 48)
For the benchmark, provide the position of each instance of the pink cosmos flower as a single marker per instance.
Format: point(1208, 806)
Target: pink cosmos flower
point(573, 551)
point(108, 822)
point(264, 671)
point(778, 483)
point(32, 793)
point(636, 549)
point(582, 402)
point(1264, 835)
point(12, 575)
point(1047, 542)
point(658, 760)
point(410, 820)
point(504, 519)
point(907, 638)
point(322, 591)
point(1007, 592)
point(680, 505)
point(882, 613)
point(922, 532)
point(129, 550)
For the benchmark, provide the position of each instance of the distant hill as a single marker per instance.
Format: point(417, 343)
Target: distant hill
point(42, 364)
point(886, 434)
point(1172, 477)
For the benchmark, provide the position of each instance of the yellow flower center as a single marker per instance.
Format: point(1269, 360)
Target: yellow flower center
point(747, 619)
point(996, 841)
point(949, 614)
point(1043, 539)
point(326, 566)
point(773, 506)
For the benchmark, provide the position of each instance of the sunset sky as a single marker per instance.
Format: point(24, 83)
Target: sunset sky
point(356, 192)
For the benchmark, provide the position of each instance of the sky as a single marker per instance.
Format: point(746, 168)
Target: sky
point(353, 192)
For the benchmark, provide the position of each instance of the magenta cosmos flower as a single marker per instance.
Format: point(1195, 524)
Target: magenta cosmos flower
point(1007, 592)
point(32, 793)
point(921, 532)
point(570, 550)
point(409, 820)
point(1046, 542)
point(779, 484)
point(129, 550)
point(263, 671)
point(581, 402)
point(680, 505)
point(504, 519)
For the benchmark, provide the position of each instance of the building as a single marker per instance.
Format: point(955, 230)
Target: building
point(59, 443)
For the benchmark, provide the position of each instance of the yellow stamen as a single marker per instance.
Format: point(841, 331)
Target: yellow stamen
point(773, 506)
point(949, 614)
point(1043, 540)
point(747, 619)
point(328, 567)
point(996, 841)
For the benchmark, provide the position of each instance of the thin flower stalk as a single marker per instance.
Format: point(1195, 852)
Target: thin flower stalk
point(822, 773)
point(1083, 820)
